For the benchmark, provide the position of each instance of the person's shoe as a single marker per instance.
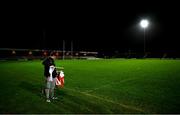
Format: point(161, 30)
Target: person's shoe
point(48, 100)
point(54, 98)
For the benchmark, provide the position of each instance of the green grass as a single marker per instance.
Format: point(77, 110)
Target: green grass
point(93, 86)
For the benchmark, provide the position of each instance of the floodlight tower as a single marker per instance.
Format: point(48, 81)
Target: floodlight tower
point(144, 24)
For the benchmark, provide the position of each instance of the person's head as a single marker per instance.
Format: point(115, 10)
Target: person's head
point(52, 55)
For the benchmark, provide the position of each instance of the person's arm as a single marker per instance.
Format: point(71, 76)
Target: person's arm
point(59, 67)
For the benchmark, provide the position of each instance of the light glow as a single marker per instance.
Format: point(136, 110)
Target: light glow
point(144, 23)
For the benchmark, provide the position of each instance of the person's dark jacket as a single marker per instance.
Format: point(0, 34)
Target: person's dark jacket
point(54, 73)
point(47, 63)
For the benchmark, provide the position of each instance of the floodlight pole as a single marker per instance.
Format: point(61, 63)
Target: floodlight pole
point(71, 49)
point(144, 41)
point(144, 24)
point(63, 48)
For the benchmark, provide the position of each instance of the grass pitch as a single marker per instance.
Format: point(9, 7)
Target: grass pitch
point(93, 86)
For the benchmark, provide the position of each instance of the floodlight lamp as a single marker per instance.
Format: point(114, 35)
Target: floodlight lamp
point(144, 23)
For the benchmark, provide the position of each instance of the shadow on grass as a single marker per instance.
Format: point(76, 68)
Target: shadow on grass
point(34, 89)
point(38, 89)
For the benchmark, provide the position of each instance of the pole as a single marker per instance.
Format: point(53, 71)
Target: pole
point(144, 42)
point(63, 48)
point(71, 49)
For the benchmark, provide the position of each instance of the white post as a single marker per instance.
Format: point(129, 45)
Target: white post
point(71, 49)
point(63, 48)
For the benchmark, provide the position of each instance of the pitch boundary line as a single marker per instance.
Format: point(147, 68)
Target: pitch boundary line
point(107, 100)
point(108, 84)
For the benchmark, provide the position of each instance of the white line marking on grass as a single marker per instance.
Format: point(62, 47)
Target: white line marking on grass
point(107, 100)
point(108, 84)
point(91, 90)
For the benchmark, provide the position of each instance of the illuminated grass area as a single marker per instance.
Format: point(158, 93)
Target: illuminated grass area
point(93, 86)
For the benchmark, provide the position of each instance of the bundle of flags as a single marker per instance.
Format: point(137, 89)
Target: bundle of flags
point(60, 79)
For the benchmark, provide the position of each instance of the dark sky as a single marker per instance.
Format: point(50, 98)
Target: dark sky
point(92, 26)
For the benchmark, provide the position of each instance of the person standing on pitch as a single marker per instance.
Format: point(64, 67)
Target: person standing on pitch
point(50, 77)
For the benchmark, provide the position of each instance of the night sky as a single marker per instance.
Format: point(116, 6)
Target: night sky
point(92, 26)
